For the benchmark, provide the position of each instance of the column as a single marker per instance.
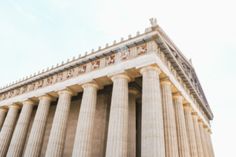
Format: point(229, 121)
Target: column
point(58, 131)
point(210, 142)
point(84, 130)
point(152, 118)
point(35, 140)
point(203, 139)
point(181, 126)
point(8, 128)
point(101, 124)
point(197, 134)
point(190, 130)
point(21, 129)
point(171, 141)
point(118, 121)
point(132, 123)
point(207, 140)
point(3, 113)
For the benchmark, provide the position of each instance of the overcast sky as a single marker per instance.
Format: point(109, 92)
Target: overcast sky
point(34, 35)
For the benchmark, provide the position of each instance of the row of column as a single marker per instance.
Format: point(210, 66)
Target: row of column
point(169, 129)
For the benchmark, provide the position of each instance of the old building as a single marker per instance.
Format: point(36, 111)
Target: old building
point(139, 97)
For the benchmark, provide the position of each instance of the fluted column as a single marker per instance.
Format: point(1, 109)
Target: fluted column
point(132, 123)
point(152, 116)
point(190, 130)
point(58, 131)
point(181, 126)
point(84, 132)
point(8, 128)
point(118, 121)
point(203, 139)
point(35, 140)
point(3, 113)
point(20, 132)
point(207, 140)
point(171, 141)
point(210, 142)
point(197, 135)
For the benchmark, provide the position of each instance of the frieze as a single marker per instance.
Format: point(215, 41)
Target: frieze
point(125, 54)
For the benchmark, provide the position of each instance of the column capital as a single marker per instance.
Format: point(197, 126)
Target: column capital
point(133, 91)
point(90, 84)
point(28, 102)
point(166, 80)
point(177, 95)
point(150, 67)
point(120, 75)
point(3, 109)
point(187, 106)
point(46, 96)
point(16, 106)
point(67, 91)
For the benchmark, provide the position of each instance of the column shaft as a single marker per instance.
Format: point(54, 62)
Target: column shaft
point(203, 139)
point(152, 118)
point(190, 131)
point(58, 131)
point(35, 140)
point(118, 121)
point(171, 141)
point(20, 132)
point(3, 113)
point(181, 127)
point(101, 124)
point(132, 124)
point(210, 143)
point(84, 131)
point(7, 129)
point(197, 135)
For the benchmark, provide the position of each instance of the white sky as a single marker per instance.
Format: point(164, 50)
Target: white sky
point(34, 35)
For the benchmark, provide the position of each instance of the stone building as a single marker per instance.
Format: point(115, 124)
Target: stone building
point(139, 97)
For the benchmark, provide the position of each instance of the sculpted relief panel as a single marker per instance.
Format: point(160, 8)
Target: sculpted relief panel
point(124, 54)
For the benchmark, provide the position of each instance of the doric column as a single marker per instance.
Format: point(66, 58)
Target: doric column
point(181, 126)
point(207, 140)
point(190, 130)
point(210, 143)
point(58, 131)
point(3, 113)
point(171, 141)
point(152, 116)
point(21, 129)
point(203, 139)
point(35, 140)
point(84, 132)
point(118, 121)
point(8, 128)
point(197, 135)
point(132, 123)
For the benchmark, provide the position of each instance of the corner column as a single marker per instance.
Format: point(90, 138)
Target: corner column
point(117, 138)
point(190, 130)
point(181, 126)
point(58, 132)
point(35, 140)
point(84, 131)
point(197, 135)
point(3, 113)
point(152, 114)
point(8, 128)
point(20, 132)
point(132, 123)
point(171, 141)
